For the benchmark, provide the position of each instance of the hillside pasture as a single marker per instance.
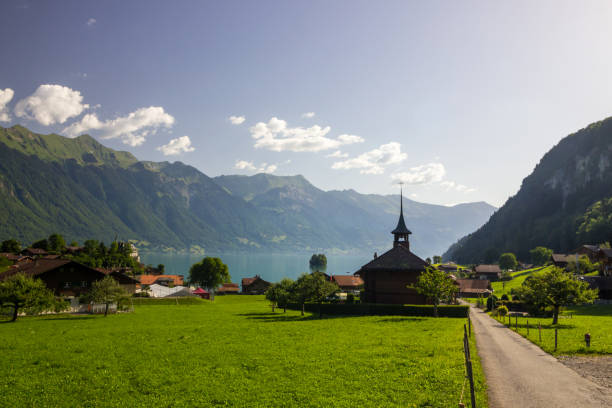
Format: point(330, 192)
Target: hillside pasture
point(504, 287)
point(574, 323)
point(233, 352)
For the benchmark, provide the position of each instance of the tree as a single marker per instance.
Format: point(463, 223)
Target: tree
point(313, 287)
point(161, 268)
point(10, 245)
point(437, 259)
point(318, 262)
point(42, 244)
point(209, 273)
point(107, 291)
point(74, 244)
point(428, 260)
point(540, 255)
point(436, 285)
point(284, 293)
point(56, 243)
point(508, 261)
point(23, 292)
point(555, 287)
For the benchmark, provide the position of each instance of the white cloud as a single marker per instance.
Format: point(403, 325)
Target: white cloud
point(374, 161)
point(338, 154)
point(263, 168)
point(425, 174)
point(131, 129)
point(5, 97)
point(236, 120)
point(276, 136)
point(51, 104)
point(177, 146)
point(91, 22)
point(451, 185)
point(308, 115)
point(244, 165)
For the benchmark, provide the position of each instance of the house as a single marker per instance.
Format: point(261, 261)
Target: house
point(74, 250)
point(255, 285)
point(603, 283)
point(604, 257)
point(15, 258)
point(348, 283)
point(65, 277)
point(128, 283)
point(448, 267)
point(165, 280)
point(204, 294)
point(487, 272)
point(34, 252)
point(562, 260)
point(474, 288)
point(227, 288)
point(387, 277)
point(591, 251)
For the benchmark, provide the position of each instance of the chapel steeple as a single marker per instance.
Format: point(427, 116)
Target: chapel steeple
point(401, 232)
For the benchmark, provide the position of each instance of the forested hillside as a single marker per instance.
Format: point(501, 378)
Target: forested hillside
point(556, 204)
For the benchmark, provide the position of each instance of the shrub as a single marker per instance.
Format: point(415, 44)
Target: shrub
point(383, 309)
point(491, 302)
point(350, 298)
point(502, 311)
point(505, 297)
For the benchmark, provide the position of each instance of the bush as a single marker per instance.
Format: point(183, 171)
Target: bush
point(505, 297)
point(512, 305)
point(350, 298)
point(142, 294)
point(491, 302)
point(361, 309)
point(501, 311)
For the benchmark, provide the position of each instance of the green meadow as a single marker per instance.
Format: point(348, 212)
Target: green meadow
point(234, 352)
point(504, 287)
point(574, 323)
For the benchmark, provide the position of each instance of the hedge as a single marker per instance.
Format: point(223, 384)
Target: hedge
point(382, 309)
point(143, 301)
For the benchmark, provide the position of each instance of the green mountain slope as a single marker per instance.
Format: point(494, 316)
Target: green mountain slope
point(81, 189)
point(551, 203)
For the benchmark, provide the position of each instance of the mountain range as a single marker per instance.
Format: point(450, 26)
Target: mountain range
point(83, 190)
point(563, 203)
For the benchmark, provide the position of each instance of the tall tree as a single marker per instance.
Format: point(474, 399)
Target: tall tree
point(436, 285)
point(10, 245)
point(24, 293)
point(107, 291)
point(209, 273)
point(56, 243)
point(508, 261)
point(318, 262)
point(313, 287)
point(540, 255)
point(555, 287)
point(41, 244)
point(437, 259)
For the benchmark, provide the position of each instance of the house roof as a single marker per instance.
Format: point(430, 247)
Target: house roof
point(200, 291)
point(35, 251)
point(474, 285)
point(228, 287)
point(563, 258)
point(347, 280)
point(450, 266)
point(607, 252)
point(250, 281)
point(151, 279)
point(41, 266)
point(10, 256)
point(397, 258)
point(487, 269)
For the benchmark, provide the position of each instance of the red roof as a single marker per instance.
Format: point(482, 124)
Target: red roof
point(347, 280)
point(151, 279)
point(228, 287)
point(200, 291)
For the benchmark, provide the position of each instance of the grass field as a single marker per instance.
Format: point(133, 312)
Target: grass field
point(573, 324)
point(236, 353)
point(500, 288)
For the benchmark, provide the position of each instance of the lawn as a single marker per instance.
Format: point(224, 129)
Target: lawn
point(500, 288)
point(233, 352)
point(573, 324)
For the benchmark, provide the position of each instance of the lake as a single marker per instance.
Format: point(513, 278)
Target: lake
point(270, 267)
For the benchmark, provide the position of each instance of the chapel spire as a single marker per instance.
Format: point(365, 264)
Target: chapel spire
point(401, 232)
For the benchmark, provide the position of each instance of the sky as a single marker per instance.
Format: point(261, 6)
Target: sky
point(458, 100)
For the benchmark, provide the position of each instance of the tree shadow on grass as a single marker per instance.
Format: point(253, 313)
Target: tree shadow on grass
point(400, 319)
point(281, 317)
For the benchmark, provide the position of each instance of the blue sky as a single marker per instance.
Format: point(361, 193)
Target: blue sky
point(457, 99)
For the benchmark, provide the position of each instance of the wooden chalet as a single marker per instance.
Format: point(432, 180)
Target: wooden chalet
point(227, 288)
point(592, 251)
point(602, 283)
point(562, 260)
point(66, 277)
point(348, 283)
point(255, 285)
point(386, 277)
point(34, 252)
point(474, 288)
point(448, 267)
point(604, 257)
point(487, 272)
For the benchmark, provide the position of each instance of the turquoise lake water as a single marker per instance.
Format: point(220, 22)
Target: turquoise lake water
point(270, 267)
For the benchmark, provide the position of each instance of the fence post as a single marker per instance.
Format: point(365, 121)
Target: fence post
point(468, 365)
point(469, 325)
point(527, 327)
point(556, 332)
point(540, 330)
point(516, 322)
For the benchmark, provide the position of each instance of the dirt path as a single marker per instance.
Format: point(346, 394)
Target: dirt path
point(520, 375)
